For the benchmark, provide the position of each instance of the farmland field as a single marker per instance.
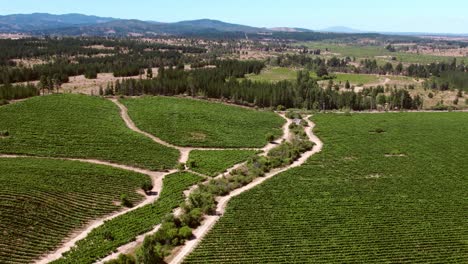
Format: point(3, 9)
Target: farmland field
point(78, 126)
point(387, 188)
point(125, 228)
point(362, 51)
point(215, 162)
point(42, 201)
point(186, 122)
point(276, 74)
point(356, 79)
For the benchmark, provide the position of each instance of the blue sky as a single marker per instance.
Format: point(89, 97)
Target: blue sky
point(448, 16)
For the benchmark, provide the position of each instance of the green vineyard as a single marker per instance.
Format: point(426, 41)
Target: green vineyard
point(186, 122)
point(78, 126)
point(123, 229)
point(215, 162)
point(42, 201)
point(387, 188)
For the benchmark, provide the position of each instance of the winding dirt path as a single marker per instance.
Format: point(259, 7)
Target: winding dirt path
point(156, 178)
point(210, 221)
point(184, 151)
point(130, 247)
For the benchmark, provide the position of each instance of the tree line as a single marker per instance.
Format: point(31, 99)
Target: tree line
point(223, 83)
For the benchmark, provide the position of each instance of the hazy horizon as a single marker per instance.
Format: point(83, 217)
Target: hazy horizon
point(364, 15)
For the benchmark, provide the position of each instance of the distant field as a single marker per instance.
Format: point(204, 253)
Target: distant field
point(42, 201)
point(188, 122)
point(78, 126)
point(375, 51)
point(368, 197)
point(125, 228)
point(356, 79)
point(215, 162)
point(276, 74)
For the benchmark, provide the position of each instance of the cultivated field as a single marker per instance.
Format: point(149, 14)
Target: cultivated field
point(78, 126)
point(193, 123)
point(215, 162)
point(378, 52)
point(387, 188)
point(42, 201)
point(122, 230)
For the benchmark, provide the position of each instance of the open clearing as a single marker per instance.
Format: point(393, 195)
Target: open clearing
point(194, 123)
point(78, 126)
point(380, 191)
point(356, 79)
point(42, 201)
point(276, 74)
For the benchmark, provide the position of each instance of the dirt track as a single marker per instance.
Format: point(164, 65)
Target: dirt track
point(210, 221)
point(156, 178)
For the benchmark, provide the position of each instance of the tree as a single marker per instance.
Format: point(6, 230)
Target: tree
point(43, 84)
point(149, 73)
point(56, 82)
point(399, 68)
point(185, 232)
point(322, 71)
point(347, 85)
point(192, 218)
point(147, 254)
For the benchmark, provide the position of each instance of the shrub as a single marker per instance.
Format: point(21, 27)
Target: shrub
point(192, 164)
point(185, 232)
point(147, 187)
point(123, 259)
point(280, 108)
point(270, 137)
point(379, 130)
point(180, 166)
point(108, 235)
point(192, 218)
point(430, 95)
point(125, 201)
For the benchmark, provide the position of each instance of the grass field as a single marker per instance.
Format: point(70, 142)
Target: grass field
point(78, 126)
point(398, 196)
point(187, 122)
point(276, 74)
point(215, 162)
point(122, 230)
point(356, 79)
point(361, 52)
point(42, 201)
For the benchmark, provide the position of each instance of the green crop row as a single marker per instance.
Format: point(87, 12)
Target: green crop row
point(215, 162)
point(78, 126)
point(121, 230)
point(42, 201)
point(187, 122)
point(396, 196)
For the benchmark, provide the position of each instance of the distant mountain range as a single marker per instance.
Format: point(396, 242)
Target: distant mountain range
point(84, 25)
point(341, 29)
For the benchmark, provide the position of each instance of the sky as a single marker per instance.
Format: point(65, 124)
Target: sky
point(448, 16)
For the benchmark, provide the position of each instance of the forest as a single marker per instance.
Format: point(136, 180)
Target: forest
point(223, 83)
